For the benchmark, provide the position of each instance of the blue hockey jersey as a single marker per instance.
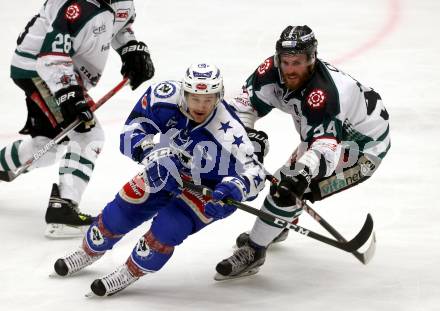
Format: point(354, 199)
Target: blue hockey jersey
point(210, 151)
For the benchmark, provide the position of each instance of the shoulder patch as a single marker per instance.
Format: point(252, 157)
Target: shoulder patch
point(164, 90)
point(73, 12)
point(265, 66)
point(317, 99)
point(74, 15)
point(321, 97)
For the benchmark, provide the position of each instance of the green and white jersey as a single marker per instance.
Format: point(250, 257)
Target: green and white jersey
point(70, 39)
point(331, 112)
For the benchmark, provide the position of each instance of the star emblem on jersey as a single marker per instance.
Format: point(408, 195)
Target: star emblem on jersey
point(316, 99)
point(73, 12)
point(257, 180)
point(225, 126)
point(238, 140)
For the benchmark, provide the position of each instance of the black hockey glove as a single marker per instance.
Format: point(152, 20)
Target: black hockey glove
point(73, 105)
point(136, 63)
point(290, 188)
point(260, 141)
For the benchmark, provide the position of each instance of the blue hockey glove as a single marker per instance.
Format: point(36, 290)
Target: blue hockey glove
point(230, 187)
point(218, 210)
point(162, 167)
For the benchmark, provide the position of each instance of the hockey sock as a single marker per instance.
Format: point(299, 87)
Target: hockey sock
point(98, 238)
point(263, 232)
point(9, 159)
point(149, 255)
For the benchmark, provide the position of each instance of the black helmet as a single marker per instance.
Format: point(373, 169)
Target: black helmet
point(296, 40)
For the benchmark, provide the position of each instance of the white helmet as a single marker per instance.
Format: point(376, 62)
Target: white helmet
point(201, 78)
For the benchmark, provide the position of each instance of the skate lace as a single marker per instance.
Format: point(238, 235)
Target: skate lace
point(242, 256)
point(118, 280)
point(78, 260)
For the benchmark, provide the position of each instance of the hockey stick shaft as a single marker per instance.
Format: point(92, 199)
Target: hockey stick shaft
point(9, 176)
point(347, 246)
point(362, 257)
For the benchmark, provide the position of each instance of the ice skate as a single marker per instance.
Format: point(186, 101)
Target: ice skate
point(113, 282)
point(74, 262)
point(245, 261)
point(63, 217)
point(243, 238)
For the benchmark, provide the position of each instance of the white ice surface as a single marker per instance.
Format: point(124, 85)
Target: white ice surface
point(391, 45)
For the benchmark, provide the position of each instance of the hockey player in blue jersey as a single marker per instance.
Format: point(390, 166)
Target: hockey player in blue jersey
point(200, 139)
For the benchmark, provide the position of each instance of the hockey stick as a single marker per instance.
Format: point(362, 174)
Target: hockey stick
point(348, 246)
point(364, 257)
point(10, 176)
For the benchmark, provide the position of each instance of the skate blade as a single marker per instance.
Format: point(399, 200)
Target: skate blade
point(62, 231)
point(54, 275)
point(91, 295)
point(220, 277)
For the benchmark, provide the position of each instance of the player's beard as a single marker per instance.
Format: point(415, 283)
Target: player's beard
point(295, 80)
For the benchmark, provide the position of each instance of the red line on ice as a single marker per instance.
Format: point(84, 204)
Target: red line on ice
point(391, 22)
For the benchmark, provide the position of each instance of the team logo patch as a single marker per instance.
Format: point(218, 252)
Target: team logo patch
point(73, 12)
point(95, 236)
point(164, 90)
point(134, 191)
point(142, 248)
point(316, 99)
point(265, 66)
point(65, 79)
point(201, 86)
point(122, 15)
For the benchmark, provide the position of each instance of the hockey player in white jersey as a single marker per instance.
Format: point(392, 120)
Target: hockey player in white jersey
point(59, 56)
point(343, 128)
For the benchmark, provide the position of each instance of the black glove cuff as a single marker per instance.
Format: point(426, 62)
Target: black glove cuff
point(297, 184)
point(133, 46)
point(72, 93)
point(260, 141)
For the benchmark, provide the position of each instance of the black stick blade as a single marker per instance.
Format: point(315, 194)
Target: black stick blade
point(362, 236)
point(366, 256)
